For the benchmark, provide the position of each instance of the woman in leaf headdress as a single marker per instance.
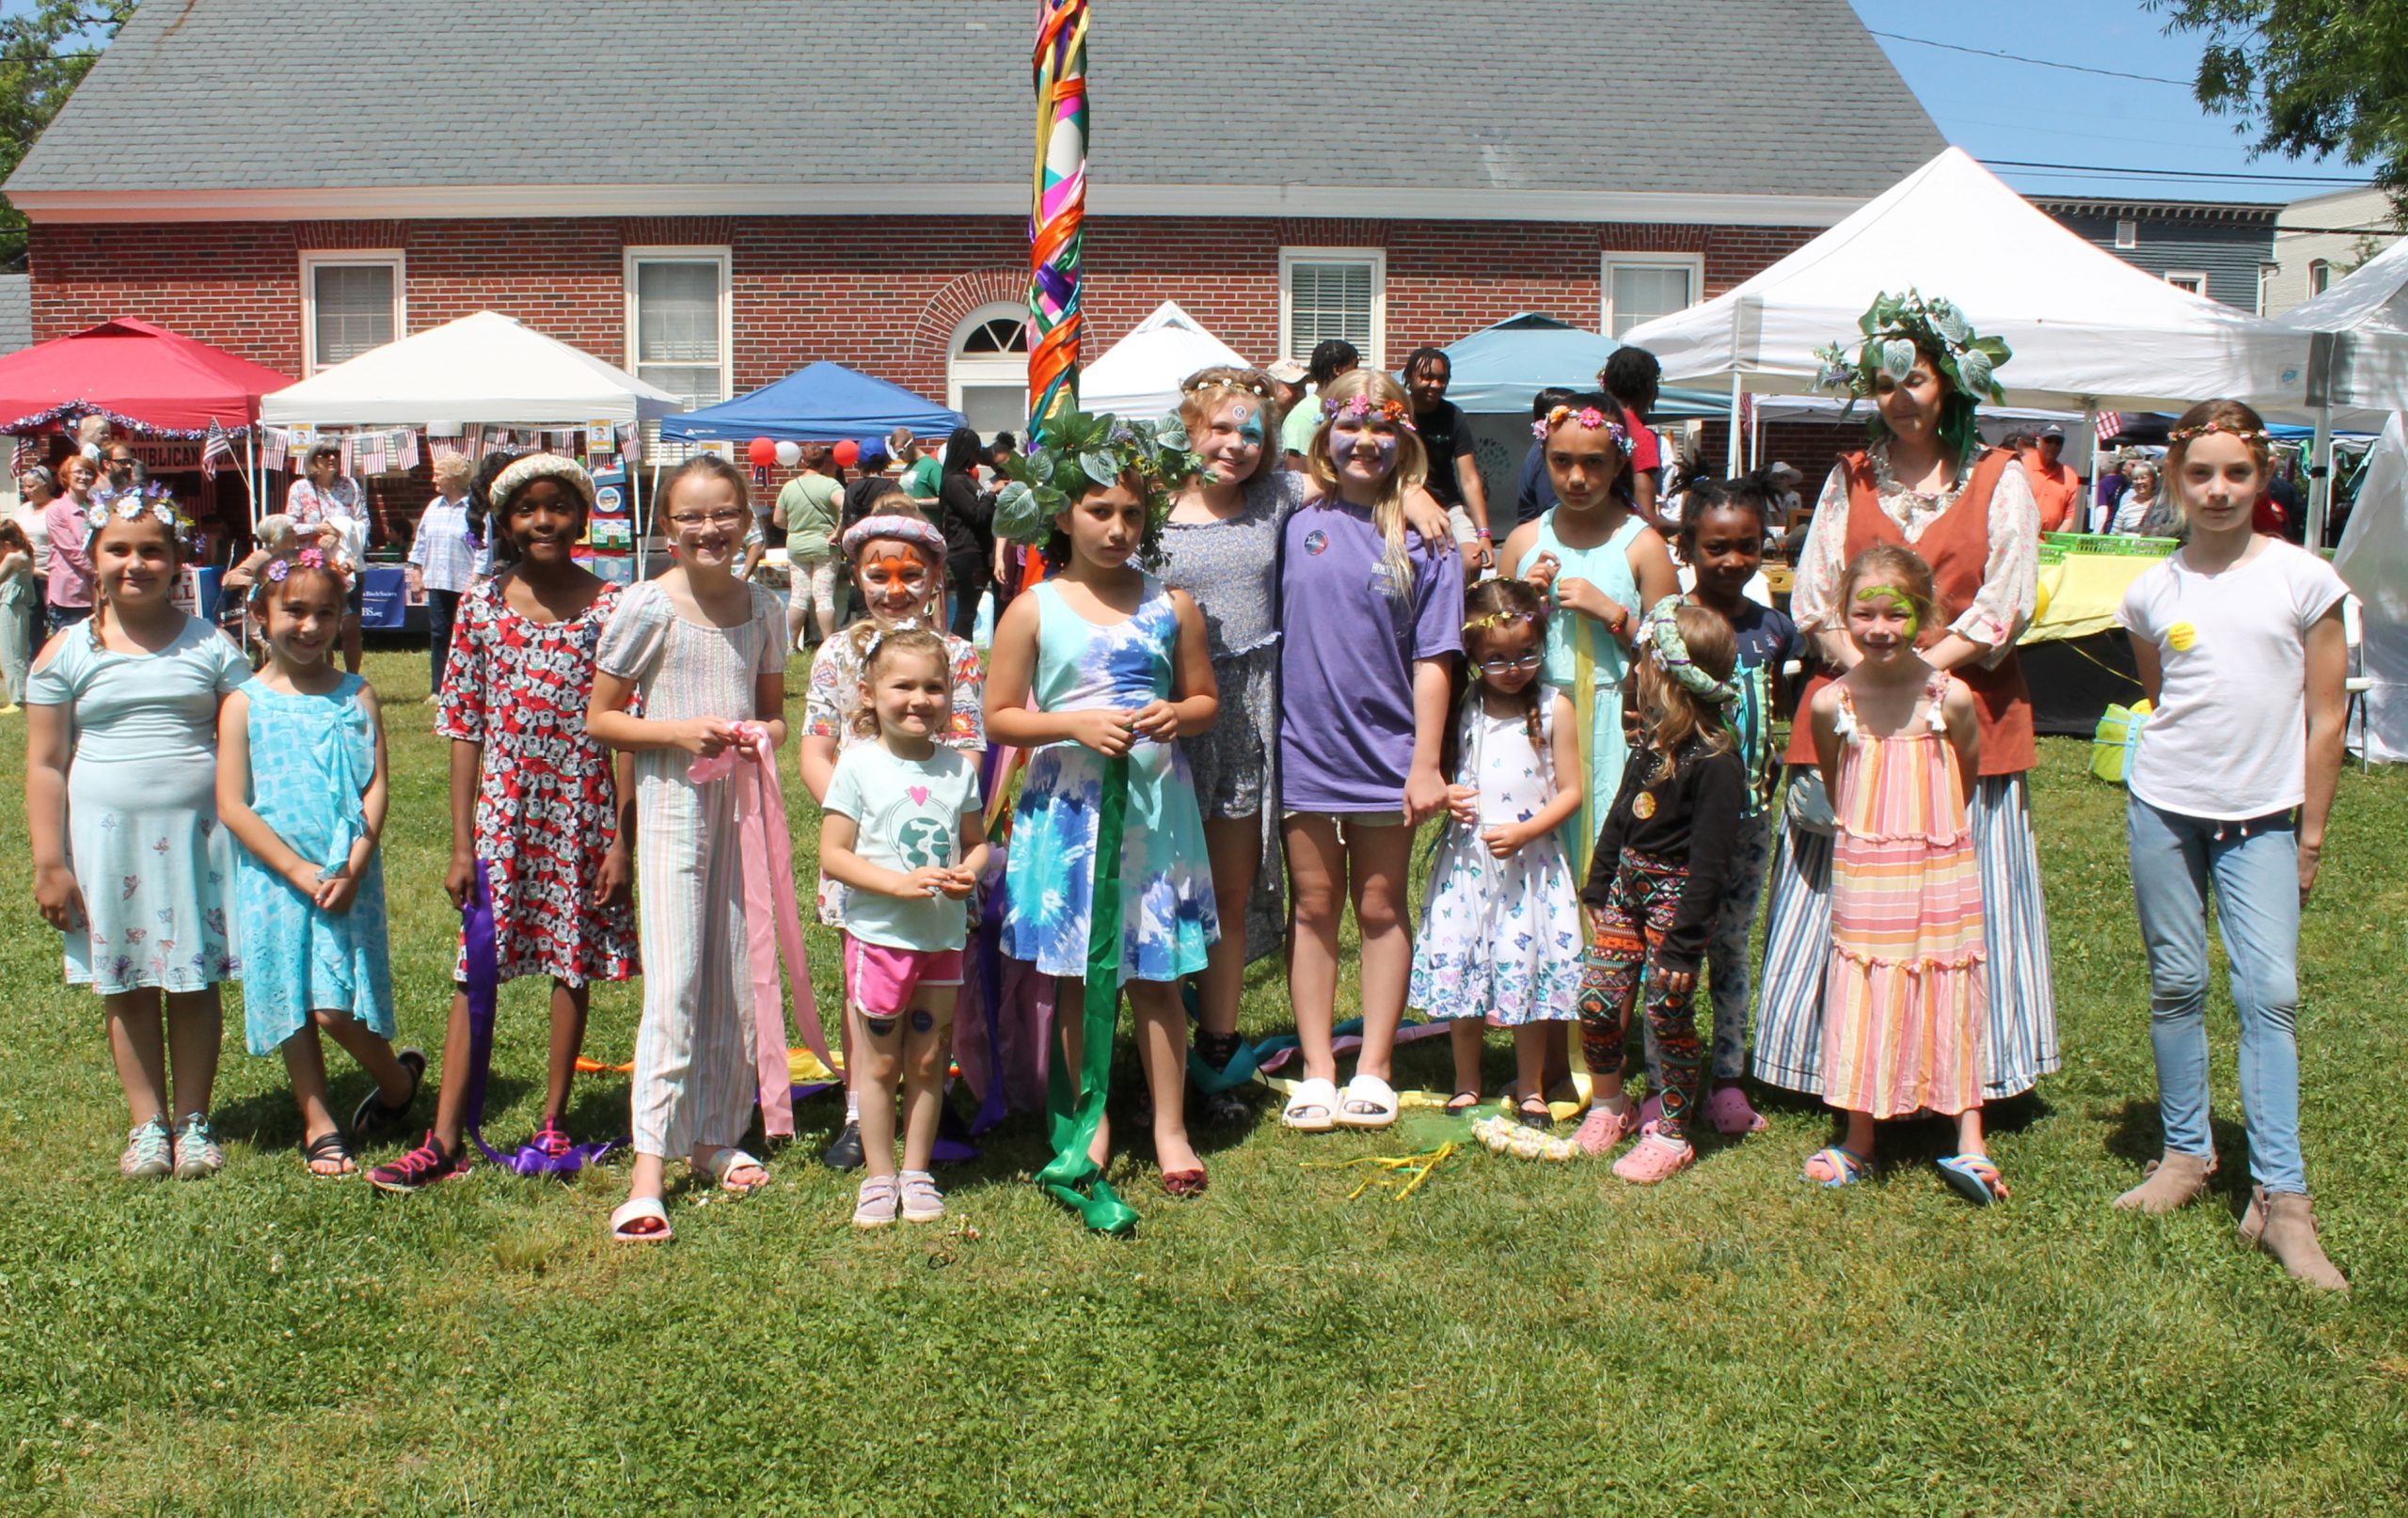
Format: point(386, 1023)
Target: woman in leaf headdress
point(1925, 483)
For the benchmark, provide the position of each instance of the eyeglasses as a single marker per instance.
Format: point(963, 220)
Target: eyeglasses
point(1512, 666)
point(714, 519)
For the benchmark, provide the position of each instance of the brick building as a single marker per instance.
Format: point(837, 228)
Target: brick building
point(713, 196)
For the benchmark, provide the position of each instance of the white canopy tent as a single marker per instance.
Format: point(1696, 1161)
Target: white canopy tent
point(2088, 331)
point(2360, 330)
point(2373, 557)
point(1139, 377)
point(484, 370)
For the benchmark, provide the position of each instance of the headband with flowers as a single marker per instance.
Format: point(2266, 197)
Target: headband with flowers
point(1659, 633)
point(1253, 382)
point(525, 471)
point(1498, 619)
point(1895, 329)
point(1361, 406)
point(2183, 435)
point(1588, 416)
point(280, 568)
point(915, 531)
point(133, 503)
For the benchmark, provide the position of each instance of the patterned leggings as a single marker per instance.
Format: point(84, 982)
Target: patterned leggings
point(1646, 897)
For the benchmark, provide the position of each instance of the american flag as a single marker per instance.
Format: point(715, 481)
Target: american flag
point(218, 447)
point(23, 456)
point(2111, 425)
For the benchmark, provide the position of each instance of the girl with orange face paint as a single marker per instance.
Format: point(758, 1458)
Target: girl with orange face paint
point(897, 560)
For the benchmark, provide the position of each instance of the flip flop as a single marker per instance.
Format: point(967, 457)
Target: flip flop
point(1840, 1168)
point(1311, 1107)
point(1974, 1176)
point(722, 1166)
point(1368, 1101)
point(637, 1210)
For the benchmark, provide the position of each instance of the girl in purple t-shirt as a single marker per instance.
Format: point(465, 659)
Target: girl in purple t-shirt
point(1370, 618)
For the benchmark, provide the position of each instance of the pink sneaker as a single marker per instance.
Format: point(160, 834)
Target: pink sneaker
point(1655, 1158)
point(1605, 1129)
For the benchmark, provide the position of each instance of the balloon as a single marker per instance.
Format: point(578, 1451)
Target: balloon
point(845, 453)
point(761, 452)
point(790, 454)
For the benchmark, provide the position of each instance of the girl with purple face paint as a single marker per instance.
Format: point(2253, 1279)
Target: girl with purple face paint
point(1221, 545)
point(1370, 624)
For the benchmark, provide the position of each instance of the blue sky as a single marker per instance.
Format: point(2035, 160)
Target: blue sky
point(2002, 108)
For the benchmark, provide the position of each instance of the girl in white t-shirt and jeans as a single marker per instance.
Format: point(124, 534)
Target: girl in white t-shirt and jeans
point(2240, 646)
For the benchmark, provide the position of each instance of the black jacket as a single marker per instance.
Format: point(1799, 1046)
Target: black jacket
point(1692, 816)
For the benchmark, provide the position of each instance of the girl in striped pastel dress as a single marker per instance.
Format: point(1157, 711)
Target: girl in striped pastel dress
point(1906, 997)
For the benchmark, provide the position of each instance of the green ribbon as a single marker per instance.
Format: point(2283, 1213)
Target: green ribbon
point(1072, 1178)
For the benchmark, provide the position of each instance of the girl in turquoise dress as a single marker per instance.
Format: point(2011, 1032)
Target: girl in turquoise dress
point(120, 807)
point(301, 784)
point(1119, 666)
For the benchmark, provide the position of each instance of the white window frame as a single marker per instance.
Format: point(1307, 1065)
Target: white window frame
point(390, 258)
point(1376, 257)
point(1693, 263)
point(2319, 276)
point(680, 253)
point(2128, 233)
point(1000, 364)
point(2198, 277)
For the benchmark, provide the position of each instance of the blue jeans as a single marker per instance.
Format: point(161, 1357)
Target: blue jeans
point(2254, 868)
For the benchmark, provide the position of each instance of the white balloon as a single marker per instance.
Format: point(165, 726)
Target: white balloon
point(790, 454)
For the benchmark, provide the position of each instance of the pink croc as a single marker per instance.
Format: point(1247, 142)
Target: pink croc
point(1605, 1129)
point(1655, 1158)
point(1729, 1112)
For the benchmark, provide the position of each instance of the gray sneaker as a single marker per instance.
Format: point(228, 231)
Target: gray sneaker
point(150, 1152)
point(921, 1201)
point(197, 1153)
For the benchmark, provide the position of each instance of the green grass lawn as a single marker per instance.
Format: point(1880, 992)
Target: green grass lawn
point(1514, 1337)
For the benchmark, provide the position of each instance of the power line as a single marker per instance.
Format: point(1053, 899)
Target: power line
point(2037, 63)
point(2176, 173)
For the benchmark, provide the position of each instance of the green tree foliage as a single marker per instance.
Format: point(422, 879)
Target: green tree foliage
point(45, 48)
point(2309, 77)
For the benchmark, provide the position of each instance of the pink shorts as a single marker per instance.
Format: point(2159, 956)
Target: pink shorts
point(884, 980)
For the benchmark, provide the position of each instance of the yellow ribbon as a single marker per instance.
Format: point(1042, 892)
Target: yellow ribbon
point(1416, 1167)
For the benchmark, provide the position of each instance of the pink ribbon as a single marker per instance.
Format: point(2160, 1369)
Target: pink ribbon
point(772, 923)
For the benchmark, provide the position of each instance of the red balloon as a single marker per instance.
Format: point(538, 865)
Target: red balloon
point(845, 453)
point(762, 451)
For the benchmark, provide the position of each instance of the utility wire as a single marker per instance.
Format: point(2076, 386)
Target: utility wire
point(2176, 173)
point(2037, 63)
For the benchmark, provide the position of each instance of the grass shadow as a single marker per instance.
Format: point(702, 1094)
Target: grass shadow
point(2134, 1134)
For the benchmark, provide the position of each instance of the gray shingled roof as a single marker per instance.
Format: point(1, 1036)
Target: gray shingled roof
point(1783, 97)
point(16, 312)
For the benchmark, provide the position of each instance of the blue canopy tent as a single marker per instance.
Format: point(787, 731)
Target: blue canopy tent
point(820, 403)
point(1497, 369)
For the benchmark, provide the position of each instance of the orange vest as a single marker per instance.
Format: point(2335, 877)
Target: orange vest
point(1956, 546)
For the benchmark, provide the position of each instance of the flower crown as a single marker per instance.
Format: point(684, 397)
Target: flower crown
point(916, 530)
point(1588, 416)
point(1659, 633)
point(1361, 406)
point(1070, 453)
point(2183, 435)
point(133, 503)
point(1253, 382)
point(1498, 619)
point(1894, 328)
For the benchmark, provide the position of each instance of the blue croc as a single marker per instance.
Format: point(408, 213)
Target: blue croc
point(1974, 1177)
point(1838, 1167)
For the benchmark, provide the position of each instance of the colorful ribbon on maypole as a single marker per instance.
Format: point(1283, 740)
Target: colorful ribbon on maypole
point(1057, 210)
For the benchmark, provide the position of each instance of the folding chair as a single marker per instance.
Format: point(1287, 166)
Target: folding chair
point(2353, 629)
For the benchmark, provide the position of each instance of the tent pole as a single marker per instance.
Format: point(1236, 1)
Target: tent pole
point(1731, 449)
point(2081, 522)
point(1755, 437)
point(2320, 478)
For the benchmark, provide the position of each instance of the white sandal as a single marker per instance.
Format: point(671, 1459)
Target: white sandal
point(1312, 1107)
point(721, 1165)
point(1375, 1098)
point(637, 1210)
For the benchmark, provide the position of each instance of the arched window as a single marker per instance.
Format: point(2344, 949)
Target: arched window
point(2320, 277)
point(987, 371)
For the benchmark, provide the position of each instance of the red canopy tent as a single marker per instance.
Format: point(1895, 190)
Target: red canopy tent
point(145, 378)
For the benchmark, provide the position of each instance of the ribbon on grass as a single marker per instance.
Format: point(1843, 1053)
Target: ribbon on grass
point(1401, 1174)
point(1073, 1179)
point(485, 995)
point(1258, 1061)
point(772, 923)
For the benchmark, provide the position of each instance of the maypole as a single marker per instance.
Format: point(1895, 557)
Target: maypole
point(1057, 212)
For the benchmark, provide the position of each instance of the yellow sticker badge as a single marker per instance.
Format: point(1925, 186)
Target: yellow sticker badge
point(2180, 636)
point(1644, 807)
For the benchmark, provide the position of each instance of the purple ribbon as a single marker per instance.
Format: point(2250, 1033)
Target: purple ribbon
point(485, 991)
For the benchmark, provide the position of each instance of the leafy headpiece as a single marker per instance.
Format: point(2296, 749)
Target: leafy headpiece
point(1080, 452)
point(1895, 329)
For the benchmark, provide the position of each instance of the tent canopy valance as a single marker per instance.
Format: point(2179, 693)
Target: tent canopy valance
point(2087, 329)
point(487, 369)
point(820, 403)
point(141, 376)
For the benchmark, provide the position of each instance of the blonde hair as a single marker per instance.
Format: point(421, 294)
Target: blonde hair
point(1204, 392)
point(1900, 568)
point(877, 649)
point(1671, 713)
point(1412, 465)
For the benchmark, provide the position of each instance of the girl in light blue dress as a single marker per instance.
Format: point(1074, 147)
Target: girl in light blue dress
point(301, 784)
point(1119, 665)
